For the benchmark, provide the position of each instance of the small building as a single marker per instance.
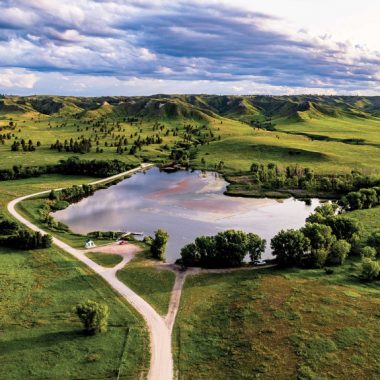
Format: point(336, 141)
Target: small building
point(89, 244)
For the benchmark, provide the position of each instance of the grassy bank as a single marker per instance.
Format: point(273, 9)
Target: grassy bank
point(39, 290)
point(152, 284)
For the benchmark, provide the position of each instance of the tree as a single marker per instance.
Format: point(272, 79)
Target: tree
point(53, 195)
point(338, 253)
point(353, 201)
point(190, 255)
point(231, 247)
point(343, 227)
point(321, 239)
point(158, 246)
point(255, 246)
point(370, 269)
point(94, 316)
point(368, 252)
point(289, 247)
point(321, 213)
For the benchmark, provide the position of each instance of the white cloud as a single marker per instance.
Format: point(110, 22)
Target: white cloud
point(17, 78)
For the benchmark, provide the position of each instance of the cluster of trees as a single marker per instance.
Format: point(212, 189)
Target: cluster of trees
point(362, 199)
point(226, 249)
point(271, 176)
point(72, 194)
point(109, 235)
point(326, 239)
point(82, 146)
point(370, 265)
point(73, 165)
point(19, 172)
point(11, 235)
point(26, 147)
point(95, 168)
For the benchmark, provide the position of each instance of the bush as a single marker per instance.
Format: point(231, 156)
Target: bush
point(370, 269)
point(368, 252)
point(59, 205)
point(7, 227)
point(94, 316)
point(374, 241)
point(338, 253)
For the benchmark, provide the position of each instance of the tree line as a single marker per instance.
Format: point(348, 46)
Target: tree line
point(274, 177)
point(327, 239)
point(13, 236)
point(72, 165)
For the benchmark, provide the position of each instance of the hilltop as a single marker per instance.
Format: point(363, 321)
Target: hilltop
point(294, 108)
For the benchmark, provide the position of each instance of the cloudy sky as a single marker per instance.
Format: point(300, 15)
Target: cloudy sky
point(141, 47)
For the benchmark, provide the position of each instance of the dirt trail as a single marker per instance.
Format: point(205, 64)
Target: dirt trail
point(161, 366)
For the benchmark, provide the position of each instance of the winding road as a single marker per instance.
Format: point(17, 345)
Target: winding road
point(161, 366)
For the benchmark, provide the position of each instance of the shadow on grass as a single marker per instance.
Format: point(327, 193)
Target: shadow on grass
point(44, 340)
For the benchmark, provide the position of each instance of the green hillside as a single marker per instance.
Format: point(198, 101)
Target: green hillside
point(330, 134)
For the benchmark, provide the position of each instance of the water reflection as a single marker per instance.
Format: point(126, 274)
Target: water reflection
point(186, 204)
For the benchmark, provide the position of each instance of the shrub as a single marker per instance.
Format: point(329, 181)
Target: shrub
point(59, 205)
point(374, 241)
point(368, 252)
point(94, 316)
point(370, 269)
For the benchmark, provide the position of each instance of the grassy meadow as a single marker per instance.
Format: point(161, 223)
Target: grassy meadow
point(151, 283)
point(278, 325)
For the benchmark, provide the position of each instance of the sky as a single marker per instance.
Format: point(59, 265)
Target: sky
point(144, 47)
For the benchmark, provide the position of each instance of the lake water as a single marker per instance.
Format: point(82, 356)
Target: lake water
point(186, 204)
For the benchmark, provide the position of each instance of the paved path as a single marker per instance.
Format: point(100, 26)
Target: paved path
point(161, 366)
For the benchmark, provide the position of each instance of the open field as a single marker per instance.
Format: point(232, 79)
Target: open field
point(39, 290)
point(107, 260)
point(286, 324)
point(281, 323)
point(151, 283)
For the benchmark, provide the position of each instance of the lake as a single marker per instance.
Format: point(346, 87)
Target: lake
point(184, 203)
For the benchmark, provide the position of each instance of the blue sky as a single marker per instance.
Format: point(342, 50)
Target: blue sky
point(132, 47)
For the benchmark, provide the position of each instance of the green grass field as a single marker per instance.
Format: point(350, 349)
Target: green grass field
point(107, 260)
point(152, 284)
point(278, 325)
point(40, 336)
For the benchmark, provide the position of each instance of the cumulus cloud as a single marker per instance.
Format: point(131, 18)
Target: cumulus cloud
point(19, 78)
point(197, 41)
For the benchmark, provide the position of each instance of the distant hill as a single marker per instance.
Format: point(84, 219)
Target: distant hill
point(296, 108)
